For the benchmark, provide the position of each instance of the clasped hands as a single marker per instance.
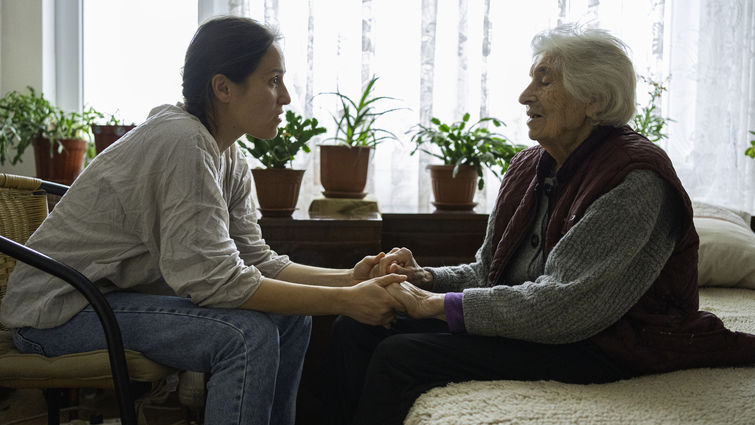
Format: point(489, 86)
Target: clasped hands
point(398, 273)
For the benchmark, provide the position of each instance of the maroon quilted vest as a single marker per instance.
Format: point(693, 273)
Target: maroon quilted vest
point(664, 330)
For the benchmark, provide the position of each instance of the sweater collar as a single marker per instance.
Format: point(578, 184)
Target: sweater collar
point(547, 164)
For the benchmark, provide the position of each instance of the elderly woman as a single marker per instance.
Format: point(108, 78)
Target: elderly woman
point(587, 273)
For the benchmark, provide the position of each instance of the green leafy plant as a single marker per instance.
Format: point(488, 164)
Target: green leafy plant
point(112, 119)
point(463, 144)
point(71, 125)
point(751, 150)
point(647, 121)
point(355, 124)
point(25, 116)
point(22, 117)
point(74, 125)
point(292, 138)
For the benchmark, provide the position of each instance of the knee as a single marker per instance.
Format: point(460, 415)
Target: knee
point(298, 328)
point(304, 324)
point(256, 337)
point(393, 350)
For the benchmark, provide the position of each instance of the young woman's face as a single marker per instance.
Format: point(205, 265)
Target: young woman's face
point(257, 107)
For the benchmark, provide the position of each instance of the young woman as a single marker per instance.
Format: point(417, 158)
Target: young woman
point(164, 223)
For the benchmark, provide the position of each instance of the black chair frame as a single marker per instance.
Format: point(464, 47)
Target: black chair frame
point(100, 305)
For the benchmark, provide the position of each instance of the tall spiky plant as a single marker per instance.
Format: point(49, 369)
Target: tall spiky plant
point(355, 124)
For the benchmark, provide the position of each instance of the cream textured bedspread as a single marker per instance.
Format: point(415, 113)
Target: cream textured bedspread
point(695, 396)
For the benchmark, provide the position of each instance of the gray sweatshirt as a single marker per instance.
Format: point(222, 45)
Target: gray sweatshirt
point(161, 211)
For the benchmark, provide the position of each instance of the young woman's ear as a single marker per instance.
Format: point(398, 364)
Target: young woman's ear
point(221, 87)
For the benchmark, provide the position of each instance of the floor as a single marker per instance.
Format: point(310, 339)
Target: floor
point(27, 407)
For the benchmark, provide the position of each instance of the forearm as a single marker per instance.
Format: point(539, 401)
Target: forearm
point(277, 296)
point(309, 275)
point(367, 302)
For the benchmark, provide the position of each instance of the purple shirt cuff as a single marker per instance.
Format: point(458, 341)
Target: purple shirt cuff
point(454, 311)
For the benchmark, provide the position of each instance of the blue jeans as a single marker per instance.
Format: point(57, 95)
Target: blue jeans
point(254, 359)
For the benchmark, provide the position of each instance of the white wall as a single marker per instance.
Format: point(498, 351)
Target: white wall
point(27, 56)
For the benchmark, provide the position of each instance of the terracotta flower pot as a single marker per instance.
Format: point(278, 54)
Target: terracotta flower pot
point(60, 167)
point(343, 170)
point(453, 193)
point(105, 135)
point(277, 190)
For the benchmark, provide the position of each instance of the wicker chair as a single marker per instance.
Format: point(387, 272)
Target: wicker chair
point(23, 206)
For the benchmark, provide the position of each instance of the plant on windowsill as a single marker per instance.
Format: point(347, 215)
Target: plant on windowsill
point(278, 185)
point(344, 166)
point(647, 121)
point(751, 150)
point(58, 137)
point(107, 132)
point(465, 150)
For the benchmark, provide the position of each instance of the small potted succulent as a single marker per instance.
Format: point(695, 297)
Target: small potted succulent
point(344, 166)
point(750, 151)
point(277, 185)
point(464, 149)
point(59, 138)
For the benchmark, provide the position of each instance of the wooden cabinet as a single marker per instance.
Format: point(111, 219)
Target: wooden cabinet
point(323, 242)
point(437, 239)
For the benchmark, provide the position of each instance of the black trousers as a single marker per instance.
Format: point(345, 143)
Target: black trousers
point(376, 374)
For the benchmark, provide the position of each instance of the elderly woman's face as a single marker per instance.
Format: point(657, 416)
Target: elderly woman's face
point(557, 120)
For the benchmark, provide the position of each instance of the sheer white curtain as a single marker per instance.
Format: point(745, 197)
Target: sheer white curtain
point(442, 58)
point(712, 99)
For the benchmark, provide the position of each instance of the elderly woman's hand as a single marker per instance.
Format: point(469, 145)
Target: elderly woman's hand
point(401, 261)
point(420, 304)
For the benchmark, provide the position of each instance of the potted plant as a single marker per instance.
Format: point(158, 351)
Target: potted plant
point(106, 134)
point(465, 150)
point(278, 186)
point(344, 166)
point(751, 150)
point(57, 136)
point(647, 121)
point(22, 117)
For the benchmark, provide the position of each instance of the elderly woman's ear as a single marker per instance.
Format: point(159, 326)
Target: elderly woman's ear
point(593, 108)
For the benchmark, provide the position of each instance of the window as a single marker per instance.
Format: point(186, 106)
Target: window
point(133, 54)
point(476, 60)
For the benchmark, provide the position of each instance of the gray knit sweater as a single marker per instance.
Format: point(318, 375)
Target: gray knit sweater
point(591, 278)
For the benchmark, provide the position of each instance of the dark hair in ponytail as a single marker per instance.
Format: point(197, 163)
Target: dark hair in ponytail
point(227, 45)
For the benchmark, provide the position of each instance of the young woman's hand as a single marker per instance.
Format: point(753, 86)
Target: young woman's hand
point(369, 302)
point(419, 303)
point(362, 270)
point(401, 261)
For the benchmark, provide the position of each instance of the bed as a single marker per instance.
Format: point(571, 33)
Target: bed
point(695, 396)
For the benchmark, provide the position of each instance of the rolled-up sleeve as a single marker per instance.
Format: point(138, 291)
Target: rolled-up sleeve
point(243, 226)
point(197, 256)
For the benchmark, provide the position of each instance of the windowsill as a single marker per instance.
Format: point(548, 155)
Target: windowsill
point(369, 211)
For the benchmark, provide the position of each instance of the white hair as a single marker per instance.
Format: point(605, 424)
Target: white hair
point(595, 67)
